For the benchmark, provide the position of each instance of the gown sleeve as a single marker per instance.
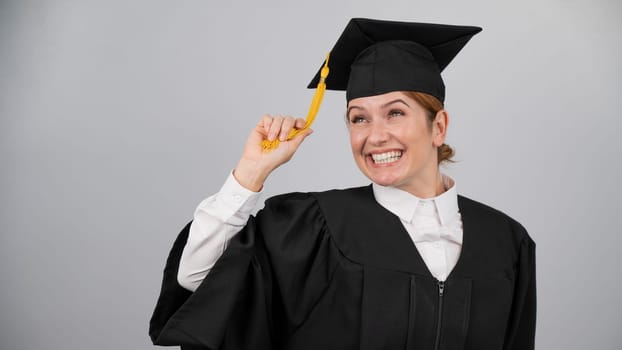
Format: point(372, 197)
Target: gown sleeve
point(522, 324)
point(264, 285)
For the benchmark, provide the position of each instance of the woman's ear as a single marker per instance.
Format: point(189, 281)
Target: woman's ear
point(439, 127)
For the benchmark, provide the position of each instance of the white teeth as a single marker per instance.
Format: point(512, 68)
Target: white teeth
point(388, 157)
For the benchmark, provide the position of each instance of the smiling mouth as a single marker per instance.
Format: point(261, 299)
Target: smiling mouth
point(387, 157)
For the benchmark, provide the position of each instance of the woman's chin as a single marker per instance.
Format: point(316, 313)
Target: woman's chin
point(384, 180)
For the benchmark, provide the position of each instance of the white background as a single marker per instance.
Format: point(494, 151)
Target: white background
point(118, 117)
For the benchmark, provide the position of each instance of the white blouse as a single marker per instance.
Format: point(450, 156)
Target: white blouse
point(434, 225)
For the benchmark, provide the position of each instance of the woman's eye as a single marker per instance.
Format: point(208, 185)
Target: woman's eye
point(357, 120)
point(396, 113)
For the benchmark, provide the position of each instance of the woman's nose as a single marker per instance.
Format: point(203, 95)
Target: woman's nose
point(378, 133)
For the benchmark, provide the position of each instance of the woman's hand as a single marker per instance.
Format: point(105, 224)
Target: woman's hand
point(256, 164)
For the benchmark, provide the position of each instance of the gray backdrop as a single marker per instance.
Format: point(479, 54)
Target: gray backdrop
point(118, 117)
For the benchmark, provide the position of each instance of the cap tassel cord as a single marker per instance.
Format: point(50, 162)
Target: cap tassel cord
point(268, 145)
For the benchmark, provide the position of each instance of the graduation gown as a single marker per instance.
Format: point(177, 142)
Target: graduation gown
point(335, 270)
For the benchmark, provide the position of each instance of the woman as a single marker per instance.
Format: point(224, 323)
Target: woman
point(405, 263)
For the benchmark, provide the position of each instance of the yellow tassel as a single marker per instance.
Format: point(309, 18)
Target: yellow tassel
point(313, 109)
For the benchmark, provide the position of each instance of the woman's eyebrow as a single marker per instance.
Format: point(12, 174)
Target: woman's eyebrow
point(353, 107)
point(385, 105)
point(399, 100)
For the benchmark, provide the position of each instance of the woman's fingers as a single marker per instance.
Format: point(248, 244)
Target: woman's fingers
point(275, 127)
point(300, 123)
point(288, 125)
point(265, 123)
point(279, 127)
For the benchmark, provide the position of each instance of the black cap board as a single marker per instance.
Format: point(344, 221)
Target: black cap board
point(373, 57)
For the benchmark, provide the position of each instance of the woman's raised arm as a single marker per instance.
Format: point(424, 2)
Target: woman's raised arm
point(218, 218)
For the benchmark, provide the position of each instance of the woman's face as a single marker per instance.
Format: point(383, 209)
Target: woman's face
point(392, 142)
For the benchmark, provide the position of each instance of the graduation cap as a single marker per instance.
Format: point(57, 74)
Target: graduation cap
point(373, 57)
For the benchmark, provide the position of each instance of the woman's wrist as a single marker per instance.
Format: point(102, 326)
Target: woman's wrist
point(250, 175)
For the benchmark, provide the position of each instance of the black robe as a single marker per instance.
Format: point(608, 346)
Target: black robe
point(335, 270)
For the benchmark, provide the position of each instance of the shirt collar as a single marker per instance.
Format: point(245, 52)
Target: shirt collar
point(404, 204)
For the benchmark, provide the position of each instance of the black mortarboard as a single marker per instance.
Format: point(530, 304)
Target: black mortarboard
point(373, 57)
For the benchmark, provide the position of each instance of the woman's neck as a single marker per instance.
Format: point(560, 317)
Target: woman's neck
point(426, 187)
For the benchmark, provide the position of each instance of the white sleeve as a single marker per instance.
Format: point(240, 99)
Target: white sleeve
point(216, 220)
